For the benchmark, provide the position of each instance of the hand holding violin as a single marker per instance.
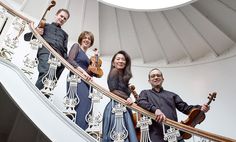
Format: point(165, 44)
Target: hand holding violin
point(205, 108)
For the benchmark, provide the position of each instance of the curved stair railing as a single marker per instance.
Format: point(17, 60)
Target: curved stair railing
point(26, 95)
point(175, 126)
point(17, 22)
point(135, 107)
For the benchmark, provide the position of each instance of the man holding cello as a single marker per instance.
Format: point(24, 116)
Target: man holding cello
point(57, 38)
point(164, 104)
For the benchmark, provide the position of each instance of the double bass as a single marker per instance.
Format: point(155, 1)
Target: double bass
point(196, 116)
point(95, 65)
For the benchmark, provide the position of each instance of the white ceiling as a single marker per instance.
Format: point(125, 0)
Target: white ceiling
point(195, 33)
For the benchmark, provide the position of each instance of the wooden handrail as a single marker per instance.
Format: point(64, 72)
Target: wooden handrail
point(134, 106)
point(211, 136)
point(15, 13)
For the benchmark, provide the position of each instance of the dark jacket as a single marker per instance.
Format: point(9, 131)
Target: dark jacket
point(55, 36)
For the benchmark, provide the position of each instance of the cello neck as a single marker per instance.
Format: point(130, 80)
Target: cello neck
point(53, 3)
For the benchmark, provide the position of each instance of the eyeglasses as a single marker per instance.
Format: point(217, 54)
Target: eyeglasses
point(157, 75)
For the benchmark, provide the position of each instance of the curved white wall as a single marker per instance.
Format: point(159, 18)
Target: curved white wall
point(193, 84)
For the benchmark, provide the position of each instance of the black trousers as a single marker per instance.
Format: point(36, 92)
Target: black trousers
point(43, 67)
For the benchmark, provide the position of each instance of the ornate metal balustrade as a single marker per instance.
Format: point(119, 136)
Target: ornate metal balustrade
point(12, 26)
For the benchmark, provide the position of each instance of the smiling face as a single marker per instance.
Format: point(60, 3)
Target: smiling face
point(119, 62)
point(156, 78)
point(86, 41)
point(61, 18)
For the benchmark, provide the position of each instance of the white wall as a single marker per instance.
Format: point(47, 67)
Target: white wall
point(193, 84)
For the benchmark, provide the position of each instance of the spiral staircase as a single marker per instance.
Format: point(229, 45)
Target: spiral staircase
point(27, 115)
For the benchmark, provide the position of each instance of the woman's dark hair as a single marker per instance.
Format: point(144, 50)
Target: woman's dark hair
point(83, 34)
point(127, 70)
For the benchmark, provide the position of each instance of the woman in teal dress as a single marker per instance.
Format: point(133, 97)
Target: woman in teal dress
point(118, 81)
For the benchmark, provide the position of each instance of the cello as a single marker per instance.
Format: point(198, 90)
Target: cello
point(29, 36)
point(196, 116)
point(43, 20)
point(95, 65)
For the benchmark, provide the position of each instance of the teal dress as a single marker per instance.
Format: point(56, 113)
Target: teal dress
point(77, 57)
point(115, 82)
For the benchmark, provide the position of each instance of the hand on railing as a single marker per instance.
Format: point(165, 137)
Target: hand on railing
point(40, 30)
point(85, 74)
point(129, 101)
point(160, 116)
point(111, 95)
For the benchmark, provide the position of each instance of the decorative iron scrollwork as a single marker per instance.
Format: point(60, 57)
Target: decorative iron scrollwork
point(171, 135)
point(71, 99)
point(144, 128)
point(119, 132)
point(50, 79)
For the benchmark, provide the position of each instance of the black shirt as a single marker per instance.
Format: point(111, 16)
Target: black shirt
point(167, 102)
point(55, 36)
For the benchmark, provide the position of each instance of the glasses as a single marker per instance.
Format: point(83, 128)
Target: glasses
point(155, 75)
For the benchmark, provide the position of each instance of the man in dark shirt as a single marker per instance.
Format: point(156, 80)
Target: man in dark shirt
point(163, 103)
point(57, 38)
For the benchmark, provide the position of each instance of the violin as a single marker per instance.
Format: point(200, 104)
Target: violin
point(95, 65)
point(135, 116)
point(196, 116)
point(42, 22)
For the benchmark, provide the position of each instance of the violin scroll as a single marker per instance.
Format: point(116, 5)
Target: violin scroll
point(211, 97)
